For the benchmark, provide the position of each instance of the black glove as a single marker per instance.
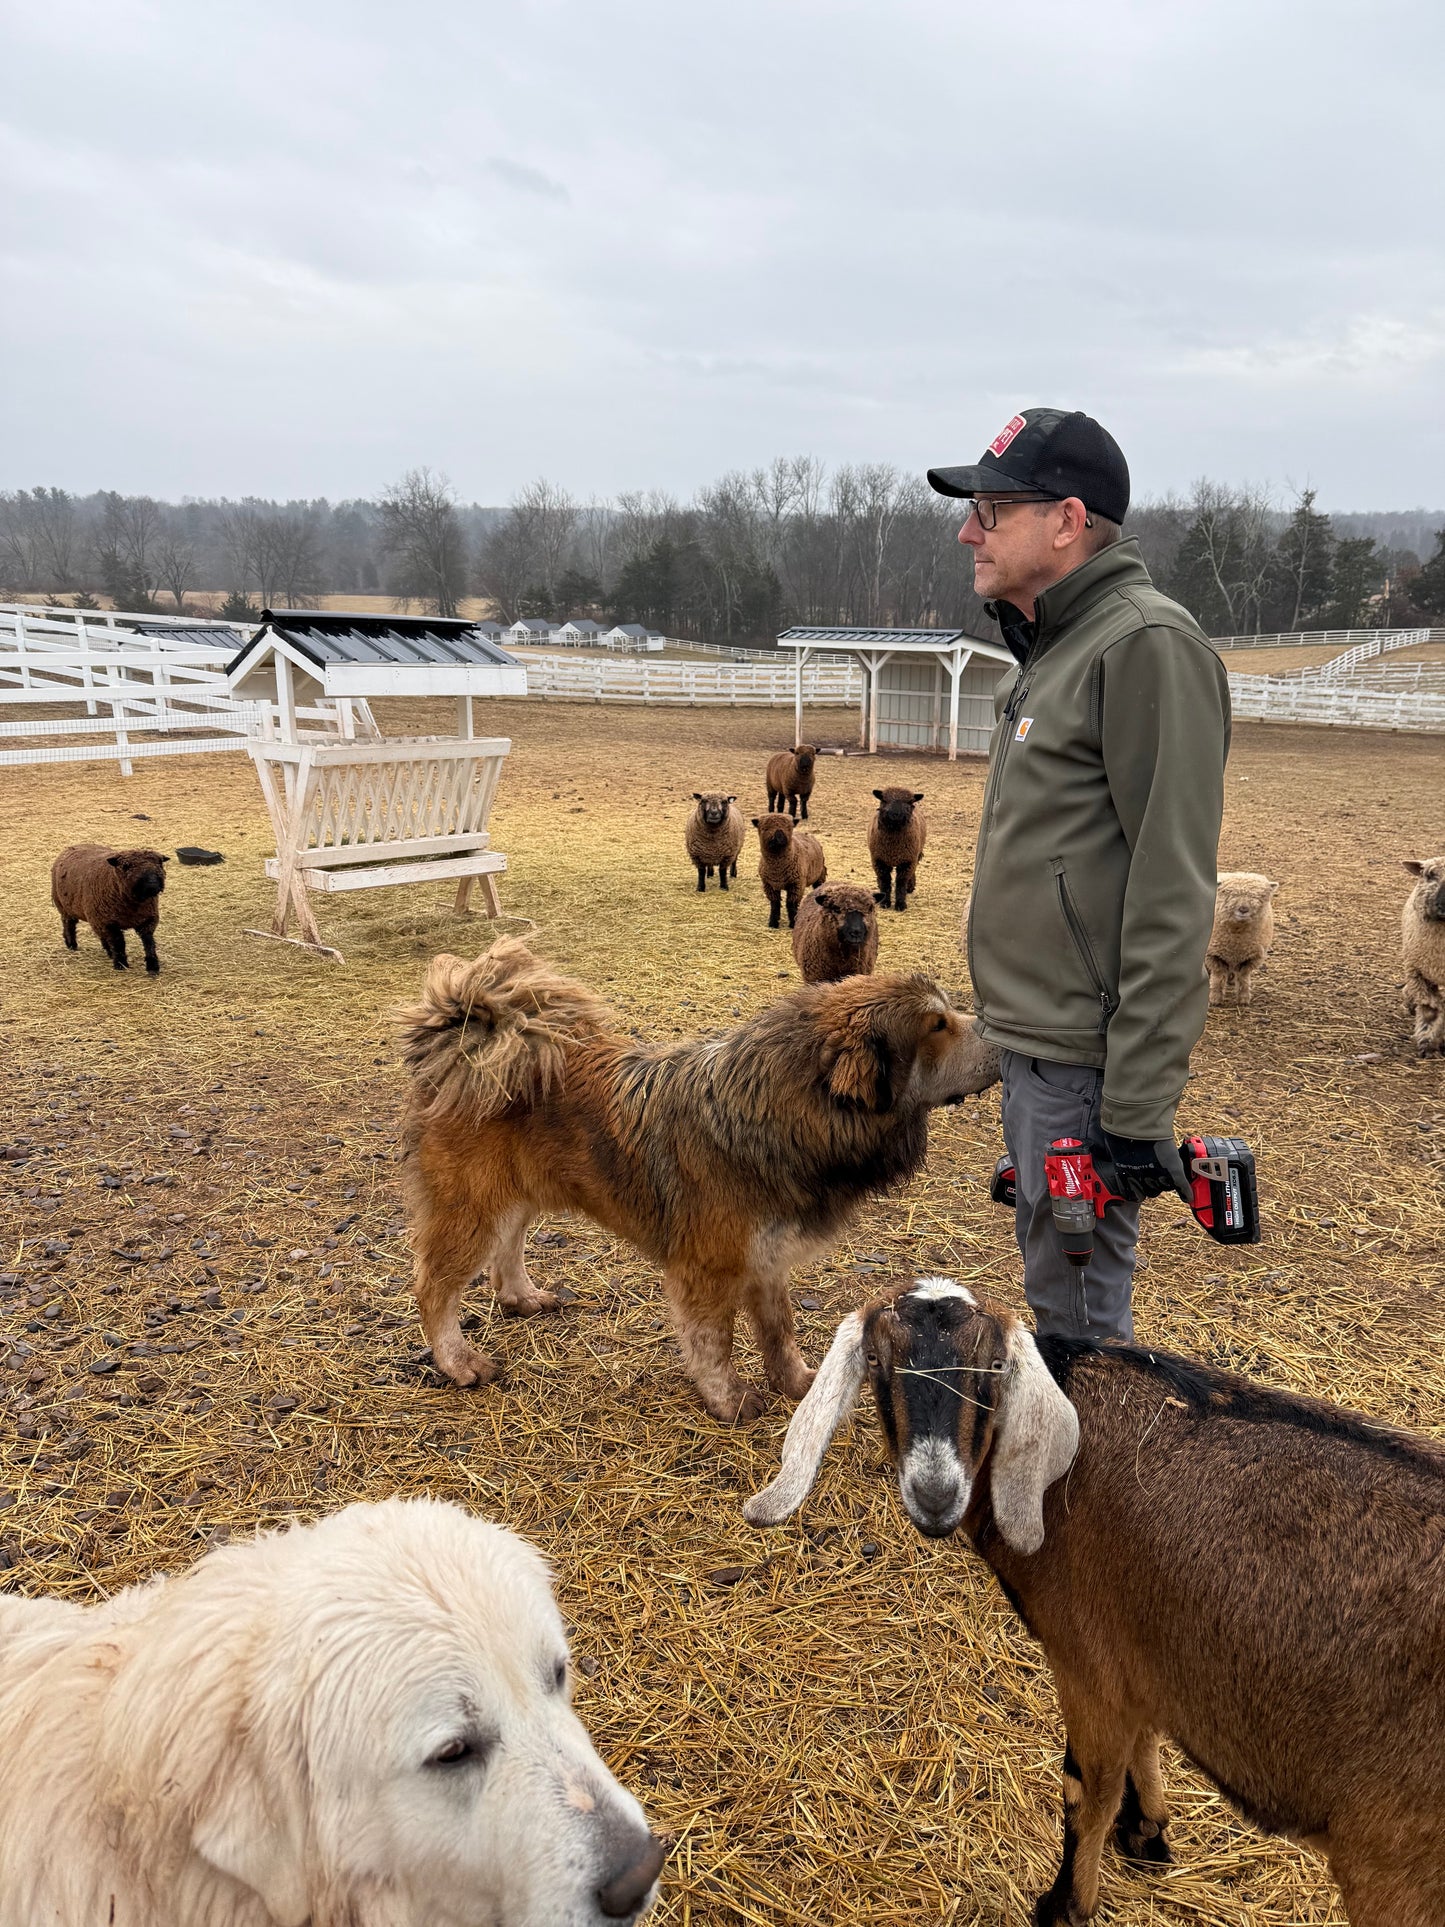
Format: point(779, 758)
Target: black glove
point(1141, 1167)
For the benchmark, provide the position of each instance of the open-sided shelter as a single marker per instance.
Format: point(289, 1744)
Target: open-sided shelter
point(922, 688)
point(351, 814)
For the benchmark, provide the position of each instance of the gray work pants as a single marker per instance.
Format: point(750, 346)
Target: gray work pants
point(1042, 1101)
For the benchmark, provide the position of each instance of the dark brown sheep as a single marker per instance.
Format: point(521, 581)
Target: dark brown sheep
point(790, 779)
point(895, 842)
point(113, 891)
point(714, 836)
point(1256, 1575)
point(836, 934)
point(791, 861)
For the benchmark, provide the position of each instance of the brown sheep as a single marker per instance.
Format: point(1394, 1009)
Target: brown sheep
point(1422, 929)
point(714, 836)
point(1254, 1574)
point(113, 891)
point(791, 861)
point(1242, 935)
point(790, 779)
point(895, 842)
point(836, 934)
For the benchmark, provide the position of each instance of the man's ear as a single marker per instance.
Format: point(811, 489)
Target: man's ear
point(256, 1841)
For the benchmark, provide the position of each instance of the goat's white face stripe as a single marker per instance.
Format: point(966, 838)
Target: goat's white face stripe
point(929, 1288)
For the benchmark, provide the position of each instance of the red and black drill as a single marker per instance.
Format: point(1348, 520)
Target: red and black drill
point(1224, 1198)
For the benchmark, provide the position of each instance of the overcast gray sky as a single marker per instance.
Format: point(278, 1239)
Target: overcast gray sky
point(293, 249)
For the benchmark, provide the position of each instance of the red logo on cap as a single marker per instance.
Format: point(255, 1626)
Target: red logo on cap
point(1006, 434)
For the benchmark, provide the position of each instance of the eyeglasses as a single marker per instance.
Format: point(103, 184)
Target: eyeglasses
point(986, 508)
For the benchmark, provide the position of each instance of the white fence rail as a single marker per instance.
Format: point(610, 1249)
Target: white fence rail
point(1316, 639)
point(1280, 699)
point(728, 684)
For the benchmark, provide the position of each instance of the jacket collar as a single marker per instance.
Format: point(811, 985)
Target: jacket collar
point(1119, 566)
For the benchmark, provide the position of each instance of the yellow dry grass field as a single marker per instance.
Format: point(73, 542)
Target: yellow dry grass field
point(210, 1329)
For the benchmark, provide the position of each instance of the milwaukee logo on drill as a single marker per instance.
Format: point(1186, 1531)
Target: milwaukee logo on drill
point(1006, 434)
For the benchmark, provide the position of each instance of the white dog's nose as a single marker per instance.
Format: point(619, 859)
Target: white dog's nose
point(630, 1885)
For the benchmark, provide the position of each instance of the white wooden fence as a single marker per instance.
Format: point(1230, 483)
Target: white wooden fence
point(1289, 699)
point(1316, 639)
point(728, 684)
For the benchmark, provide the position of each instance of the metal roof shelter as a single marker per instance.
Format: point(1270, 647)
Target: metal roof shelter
point(904, 673)
point(352, 815)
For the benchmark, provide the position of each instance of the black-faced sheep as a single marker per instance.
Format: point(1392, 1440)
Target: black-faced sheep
point(896, 837)
point(1253, 1574)
point(1422, 930)
point(113, 891)
point(790, 779)
point(790, 862)
point(714, 836)
point(836, 934)
point(1242, 935)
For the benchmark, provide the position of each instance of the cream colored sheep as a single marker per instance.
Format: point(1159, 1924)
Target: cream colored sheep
point(1422, 930)
point(1242, 935)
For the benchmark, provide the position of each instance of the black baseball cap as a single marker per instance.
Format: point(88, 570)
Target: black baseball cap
point(1051, 453)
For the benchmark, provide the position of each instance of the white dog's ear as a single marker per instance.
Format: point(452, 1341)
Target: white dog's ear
point(831, 1397)
point(1037, 1438)
point(242, 1834)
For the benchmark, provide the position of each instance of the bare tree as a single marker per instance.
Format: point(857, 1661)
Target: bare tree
point(421, 535)
point(176, 566)
point(130, 528)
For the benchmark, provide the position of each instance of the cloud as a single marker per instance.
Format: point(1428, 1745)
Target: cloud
point(528, 180)
point(295, 251)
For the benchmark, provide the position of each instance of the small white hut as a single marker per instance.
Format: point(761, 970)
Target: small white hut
point(353, 814)
point(929, 689)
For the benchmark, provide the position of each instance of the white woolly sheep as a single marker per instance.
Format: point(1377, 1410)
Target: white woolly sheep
point(1422, 930)
point(1242, 935)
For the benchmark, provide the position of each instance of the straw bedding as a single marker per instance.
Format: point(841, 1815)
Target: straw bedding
point(209, 1325)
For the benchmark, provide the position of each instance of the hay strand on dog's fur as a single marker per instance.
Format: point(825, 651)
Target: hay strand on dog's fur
point(838, 1720)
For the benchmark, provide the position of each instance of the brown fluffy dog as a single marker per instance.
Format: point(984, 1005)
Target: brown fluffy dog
point(725, 1160)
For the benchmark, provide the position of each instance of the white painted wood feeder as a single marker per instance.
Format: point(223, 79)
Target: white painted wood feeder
point(354, 814)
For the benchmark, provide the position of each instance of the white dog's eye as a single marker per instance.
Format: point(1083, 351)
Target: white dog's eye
point(455, 1752)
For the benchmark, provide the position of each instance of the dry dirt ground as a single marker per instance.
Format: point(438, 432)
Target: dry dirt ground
point(209, 1327)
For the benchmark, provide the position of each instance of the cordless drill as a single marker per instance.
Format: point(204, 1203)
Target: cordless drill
point(1224, 1198)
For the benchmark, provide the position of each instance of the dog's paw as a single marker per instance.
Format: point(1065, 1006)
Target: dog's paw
point(528, 1304)
point(747, 1407)
point(794, 1384)
point(465, 1365)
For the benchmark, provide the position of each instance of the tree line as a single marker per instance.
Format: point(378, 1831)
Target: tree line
point(863, 546)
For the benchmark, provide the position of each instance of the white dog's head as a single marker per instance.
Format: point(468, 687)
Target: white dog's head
point(369, 1721)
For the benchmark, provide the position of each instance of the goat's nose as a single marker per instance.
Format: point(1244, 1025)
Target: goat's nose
point(630, 1885)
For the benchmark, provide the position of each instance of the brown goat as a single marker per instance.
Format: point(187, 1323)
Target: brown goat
point(836, 934)
point(1256, 1575)
point(113, 891)
point(714, 836)
point(790, 779)
point(791, 861)
point(896, 837)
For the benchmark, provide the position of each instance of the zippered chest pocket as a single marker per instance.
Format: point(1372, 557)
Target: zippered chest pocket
point(1082, 942)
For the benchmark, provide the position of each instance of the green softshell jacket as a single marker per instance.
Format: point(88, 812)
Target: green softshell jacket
point(1094, 879)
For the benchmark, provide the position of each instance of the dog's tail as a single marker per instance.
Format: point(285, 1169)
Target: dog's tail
point(492, 1032)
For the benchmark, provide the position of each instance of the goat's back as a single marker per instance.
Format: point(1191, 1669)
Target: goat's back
point(1260, 1576)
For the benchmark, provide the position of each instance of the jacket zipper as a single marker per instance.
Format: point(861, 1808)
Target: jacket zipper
point(990, 792)
point(1082, 944)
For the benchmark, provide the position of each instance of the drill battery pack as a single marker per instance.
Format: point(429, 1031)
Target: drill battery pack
point(1225, 1199)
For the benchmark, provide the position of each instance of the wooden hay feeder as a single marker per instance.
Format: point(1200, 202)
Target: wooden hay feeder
point(355, 814)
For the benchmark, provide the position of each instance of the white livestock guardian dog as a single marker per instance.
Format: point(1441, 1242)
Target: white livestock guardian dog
point(359, 1723)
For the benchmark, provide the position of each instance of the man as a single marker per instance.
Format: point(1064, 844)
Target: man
point(1094, 880)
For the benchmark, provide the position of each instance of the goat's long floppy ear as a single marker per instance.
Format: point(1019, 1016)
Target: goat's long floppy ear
point(256, 1840)
point(1038, 1436)
point(830, 1399)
